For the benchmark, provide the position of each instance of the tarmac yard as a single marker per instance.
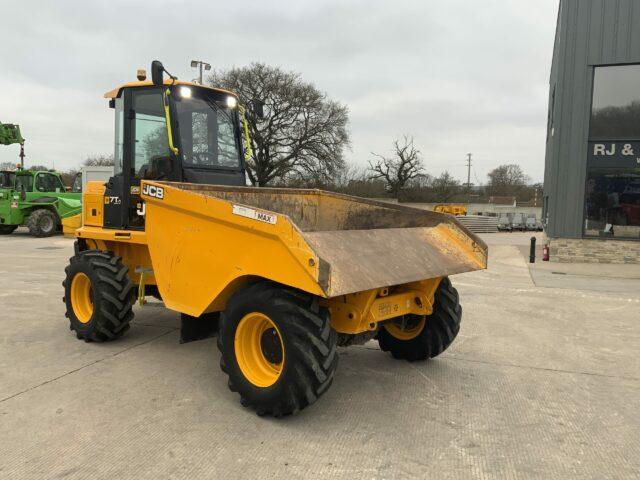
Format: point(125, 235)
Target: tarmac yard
point(543, 381)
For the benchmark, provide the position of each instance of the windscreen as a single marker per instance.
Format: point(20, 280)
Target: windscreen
point(208, 129)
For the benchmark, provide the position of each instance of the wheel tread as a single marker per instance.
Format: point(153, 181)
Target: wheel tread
point(311, 344)
point(33, 222)
point(440, 330)
point(112, 294)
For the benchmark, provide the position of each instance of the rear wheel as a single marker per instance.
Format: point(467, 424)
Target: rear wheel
point(278, 349)
point(99, 296)
point(414, 337)
point(42, 223)
point(7, 229)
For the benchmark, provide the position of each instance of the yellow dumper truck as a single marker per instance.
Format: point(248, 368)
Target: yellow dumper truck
point(451, 209)
point(282, 276)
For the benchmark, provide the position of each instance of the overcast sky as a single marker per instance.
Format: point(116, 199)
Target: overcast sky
point(461, 76)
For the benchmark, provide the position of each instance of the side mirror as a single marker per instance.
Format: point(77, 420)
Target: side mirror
point(258, 108)
point(157, 71)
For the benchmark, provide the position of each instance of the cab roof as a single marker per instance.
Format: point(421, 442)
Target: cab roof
point(115, 93)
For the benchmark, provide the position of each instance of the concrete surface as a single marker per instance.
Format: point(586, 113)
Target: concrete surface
point(541, 383)
point(614, 278)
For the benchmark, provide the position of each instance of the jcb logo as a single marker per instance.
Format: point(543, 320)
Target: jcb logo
point(153, 191)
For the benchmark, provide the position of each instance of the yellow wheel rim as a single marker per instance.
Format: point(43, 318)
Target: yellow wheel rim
point(406, 330)
point(81, 297)
point(259, 349)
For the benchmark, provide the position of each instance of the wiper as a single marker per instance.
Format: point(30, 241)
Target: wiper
point(218, 108)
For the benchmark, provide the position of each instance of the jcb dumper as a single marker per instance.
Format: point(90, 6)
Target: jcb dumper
point(282, 276)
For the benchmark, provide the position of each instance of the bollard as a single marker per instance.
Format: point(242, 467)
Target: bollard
point(532, 251)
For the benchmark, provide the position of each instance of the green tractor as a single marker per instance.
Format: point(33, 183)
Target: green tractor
point(36, 199)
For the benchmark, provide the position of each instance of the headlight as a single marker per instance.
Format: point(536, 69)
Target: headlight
point(232, 102)
point(185, 92)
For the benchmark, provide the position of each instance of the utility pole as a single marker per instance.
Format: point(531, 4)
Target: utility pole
point(468, 178)
point(200, 64)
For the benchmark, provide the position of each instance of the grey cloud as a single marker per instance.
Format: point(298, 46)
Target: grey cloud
point(459, 75)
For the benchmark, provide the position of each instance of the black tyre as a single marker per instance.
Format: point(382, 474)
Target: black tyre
point(99, 296)
point(7, 229)
point(42, 223)
point(278, 348)
point(414, 337)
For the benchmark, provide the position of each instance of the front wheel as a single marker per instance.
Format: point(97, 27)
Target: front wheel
point(414, 337)
point(99, 296)
point(7, 229)
point(278, 348)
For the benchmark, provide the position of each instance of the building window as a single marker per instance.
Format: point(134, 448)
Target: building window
point(615, 110)
point(550, 115)
point(612, 196)
point(613, 203)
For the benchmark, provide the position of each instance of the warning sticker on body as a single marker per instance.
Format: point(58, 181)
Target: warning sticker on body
point(255, 214)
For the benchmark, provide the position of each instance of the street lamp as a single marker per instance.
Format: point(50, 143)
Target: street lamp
point(200, 64)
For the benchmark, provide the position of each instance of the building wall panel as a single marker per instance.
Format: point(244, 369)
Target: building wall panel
point(588, 33)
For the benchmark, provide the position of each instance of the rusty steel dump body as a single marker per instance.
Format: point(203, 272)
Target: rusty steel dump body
point(360, 244)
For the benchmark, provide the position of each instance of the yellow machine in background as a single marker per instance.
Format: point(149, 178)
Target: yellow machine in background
point(71, 224)
point(83, 177)
point(283, 276)
point(451, 209)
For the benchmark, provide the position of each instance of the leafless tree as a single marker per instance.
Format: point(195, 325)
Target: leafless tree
point(99, 161)
point(303, 134)
point(398, 170)
point(445, 186)
point(69, 176)
point(8, 165)
point(506, 180)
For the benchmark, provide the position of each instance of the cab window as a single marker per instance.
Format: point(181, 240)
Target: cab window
point(150, 127)
point(7, 179)
point(77, 184)
point(48, 182)
point(118, 154)
point(24, 182)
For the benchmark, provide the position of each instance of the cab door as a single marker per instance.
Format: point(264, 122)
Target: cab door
point(48, 183)
point(142, 152)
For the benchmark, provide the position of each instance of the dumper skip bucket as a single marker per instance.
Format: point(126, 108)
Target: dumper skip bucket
point(325, 243)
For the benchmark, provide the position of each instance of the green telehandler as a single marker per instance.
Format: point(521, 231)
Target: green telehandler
point(36, 199)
